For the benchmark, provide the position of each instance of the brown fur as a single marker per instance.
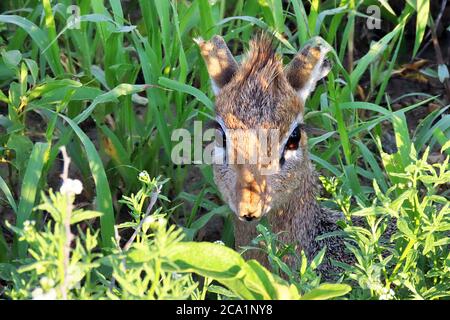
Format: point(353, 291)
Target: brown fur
point(219, 60)
point(261, 94)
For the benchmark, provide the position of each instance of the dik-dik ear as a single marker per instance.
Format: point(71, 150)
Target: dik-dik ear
point(219, 61)
point(308, 67)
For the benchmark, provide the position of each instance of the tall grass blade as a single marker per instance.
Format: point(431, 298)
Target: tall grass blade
point(29, 191)
point(104, 202)
point(423, 10)
point(4, 187)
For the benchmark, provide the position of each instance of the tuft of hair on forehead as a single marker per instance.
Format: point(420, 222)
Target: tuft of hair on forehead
point(259, 94)
point(261, 59)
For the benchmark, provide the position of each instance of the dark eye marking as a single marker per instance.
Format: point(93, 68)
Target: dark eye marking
point(293, 141)
point(221, 138)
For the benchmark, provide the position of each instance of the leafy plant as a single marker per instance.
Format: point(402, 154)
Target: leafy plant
point(402, 248)
point(112, 92)
point(153, 264)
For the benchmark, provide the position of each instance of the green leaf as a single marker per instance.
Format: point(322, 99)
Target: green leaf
point(208, 259)
point(104, 199)
point(4, 187)
point(323, 14)
point(327, 291)
point(38, 36)
point(28, 192)
point(402, 138)
point(7, 270)
point(423, 10)
point(443, 72)
point(22, 147)
point(121, 90)
point(317, 260)
point(301, 20)
point(248, 280)
point(369, 157)
point(429, 243)
point(353, 181)
point(50, 28)
point(3, 97)
point(386, 5)
point(221, 291)
point(50, 86)
point(402, 225)
point(12, 58)
point(178, 86)
point(445, 146)
point(34, 69)
point(82, 215)
point(260, 280)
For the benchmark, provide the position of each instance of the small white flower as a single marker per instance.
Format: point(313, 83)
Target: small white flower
point(153, 222)
point(71, 186)
point(387, 294)
point(39, 294)
point(27, 224)
point(162, 222)
point(386, 297)
point(219, 242)
point(47, 283)
point(375, 286)
point(176, 276)
point(144, 176)
point(28, 227)
point(149, 220)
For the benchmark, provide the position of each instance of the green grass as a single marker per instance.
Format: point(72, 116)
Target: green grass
point(101, 75)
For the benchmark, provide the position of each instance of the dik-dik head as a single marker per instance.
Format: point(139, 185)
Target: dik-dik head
point(260, 100)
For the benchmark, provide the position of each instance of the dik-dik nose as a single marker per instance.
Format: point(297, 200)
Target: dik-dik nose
point(249, 197)
point(249, 211)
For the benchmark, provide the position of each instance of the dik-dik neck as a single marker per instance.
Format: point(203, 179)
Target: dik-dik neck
point(299, 217)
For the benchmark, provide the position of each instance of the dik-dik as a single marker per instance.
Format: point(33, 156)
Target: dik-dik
point(259, 93)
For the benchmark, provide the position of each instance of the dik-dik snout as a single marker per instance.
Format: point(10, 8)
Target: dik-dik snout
point(250, 194)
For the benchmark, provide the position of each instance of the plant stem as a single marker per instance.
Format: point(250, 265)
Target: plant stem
point(153, 199)
point(67, 232)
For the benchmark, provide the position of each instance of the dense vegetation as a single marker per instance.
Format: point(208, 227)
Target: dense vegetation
point(91, 205)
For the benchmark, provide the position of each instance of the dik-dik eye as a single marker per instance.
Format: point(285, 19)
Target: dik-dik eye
point(292, 143)
point(294, 139)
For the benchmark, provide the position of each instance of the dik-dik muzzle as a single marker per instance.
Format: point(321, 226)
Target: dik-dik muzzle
point(250, 193)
